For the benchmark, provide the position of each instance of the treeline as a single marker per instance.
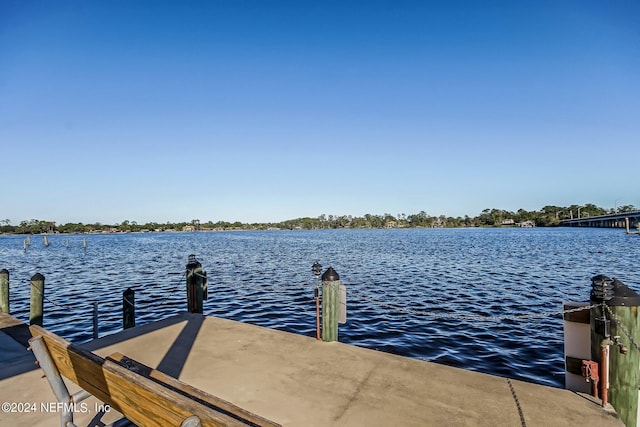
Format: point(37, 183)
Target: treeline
point(548, 216)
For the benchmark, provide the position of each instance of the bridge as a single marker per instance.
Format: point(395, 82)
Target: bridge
point(617, 220)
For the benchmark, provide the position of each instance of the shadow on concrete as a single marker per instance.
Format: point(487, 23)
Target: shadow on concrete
point(127, 334)
point(174, 360)
point(176, 357)
point(15, 359)
point(20, 333)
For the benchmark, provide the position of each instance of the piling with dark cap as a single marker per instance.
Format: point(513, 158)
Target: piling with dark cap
point(4, 291)
point(330, 304)
point(36, 301)
point(196, 285)
point(615, 330)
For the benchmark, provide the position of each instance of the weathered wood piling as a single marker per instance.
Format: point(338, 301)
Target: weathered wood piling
point(330, 304)
point(4, 291)
point(615, 334)
point(36, 303)
point(196, 285)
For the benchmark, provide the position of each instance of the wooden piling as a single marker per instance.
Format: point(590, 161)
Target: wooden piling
point(4, 291)
point(626, 223)
point(36, 302)
point(624, 371)
point(128, 309)
point(621, 308)
point(330, 304)
point(196, 285)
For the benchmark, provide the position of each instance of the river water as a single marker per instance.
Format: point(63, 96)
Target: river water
point(433, 294)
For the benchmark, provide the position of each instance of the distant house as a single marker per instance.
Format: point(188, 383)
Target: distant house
point(508, 221)
point(188, 228)
point(527, 224)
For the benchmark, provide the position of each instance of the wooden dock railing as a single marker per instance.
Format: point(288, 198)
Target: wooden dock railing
point(144, 396)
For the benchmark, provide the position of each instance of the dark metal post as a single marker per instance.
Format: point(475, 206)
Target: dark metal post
point(36, 303)
point(317, 269)
point(95, 320)
point(128, 309)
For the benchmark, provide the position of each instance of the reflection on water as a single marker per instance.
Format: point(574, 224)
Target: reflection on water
point(408, 290)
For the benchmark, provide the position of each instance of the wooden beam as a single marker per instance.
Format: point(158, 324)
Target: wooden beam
point(200, 396)
point(147, 403)
point(144, 400)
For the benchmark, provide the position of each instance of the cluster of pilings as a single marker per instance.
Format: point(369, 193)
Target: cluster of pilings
point(333, 299)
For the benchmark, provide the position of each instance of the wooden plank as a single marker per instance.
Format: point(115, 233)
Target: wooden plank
point(142, 400)
point(200, 396)
point(7, 321)
point(147, 403)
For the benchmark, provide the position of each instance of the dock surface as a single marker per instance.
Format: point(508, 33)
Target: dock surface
point(298, 381)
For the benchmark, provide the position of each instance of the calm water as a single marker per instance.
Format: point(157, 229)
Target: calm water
point(405, 287)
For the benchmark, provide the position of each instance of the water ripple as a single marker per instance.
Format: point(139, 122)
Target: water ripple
point(399, 282)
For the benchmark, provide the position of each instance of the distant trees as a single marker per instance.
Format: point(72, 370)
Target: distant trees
point(6, 226)
point(35, 226)
point(623, 209)
point(73, 228)
point(545, 217)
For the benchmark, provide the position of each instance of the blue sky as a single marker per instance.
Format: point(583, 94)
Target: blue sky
point(264, 111)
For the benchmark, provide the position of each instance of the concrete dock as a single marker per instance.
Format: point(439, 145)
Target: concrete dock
point(299, 381)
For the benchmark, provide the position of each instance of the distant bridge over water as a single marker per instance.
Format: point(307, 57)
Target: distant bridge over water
point(617, 220)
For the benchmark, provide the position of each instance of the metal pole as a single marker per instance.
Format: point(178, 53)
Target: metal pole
point(317, 292)
point(604, 377)
point(128, 309)
point(53, 376)
point(316, 268)
point(95, 320)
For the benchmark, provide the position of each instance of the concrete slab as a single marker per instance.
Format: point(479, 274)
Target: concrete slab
point(299, 381)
